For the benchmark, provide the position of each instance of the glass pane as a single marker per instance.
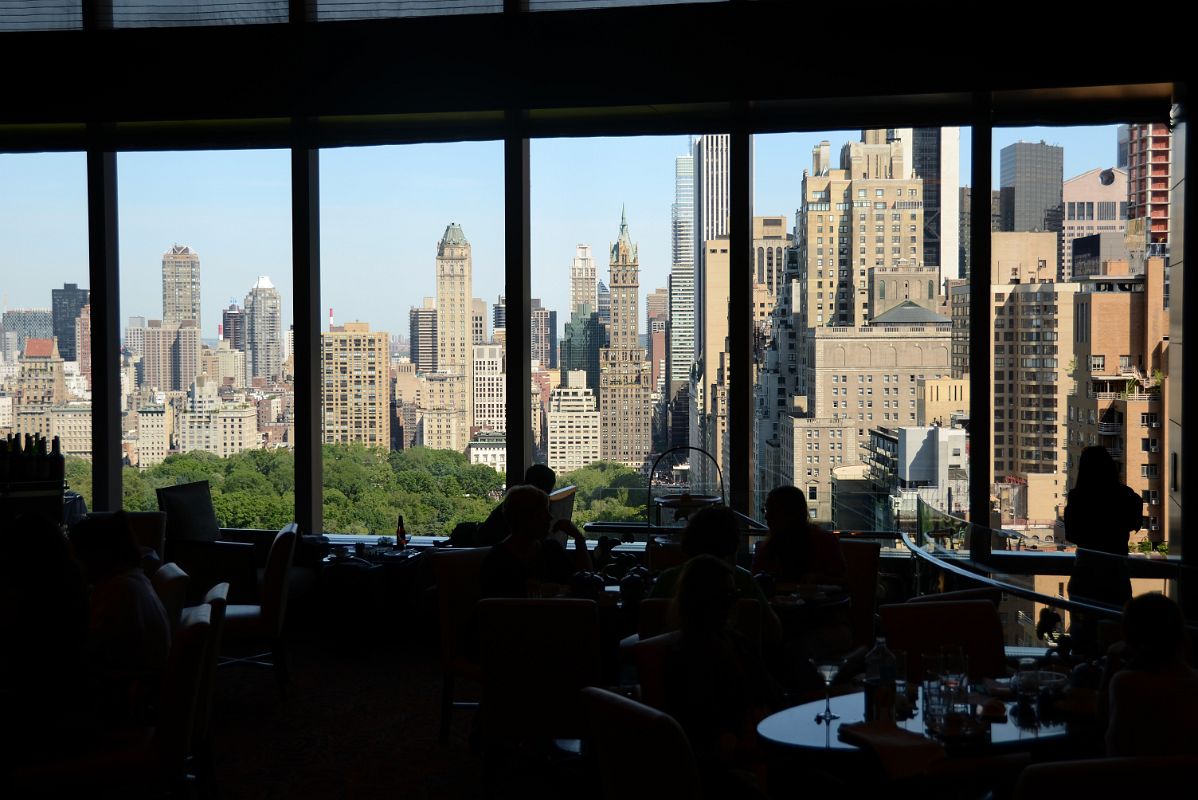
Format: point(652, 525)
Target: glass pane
point(175, 13)
point(857, 398)
point(45, 333)
point(206, 378)
point(41, 15)
point(567, 5)
point(1080, 312)
point(613, 260)
point(412, 363)
point(378, 9)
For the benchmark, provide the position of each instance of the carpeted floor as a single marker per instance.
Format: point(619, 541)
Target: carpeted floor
point(359, 721)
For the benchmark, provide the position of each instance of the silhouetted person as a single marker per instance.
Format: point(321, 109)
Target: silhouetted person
point(714, 531)
point(129, 635)
point(43, 633)
point(528, 559)
point(494, 528)
point(1100, 515)
point(1154, 701)
point(716, 684)
point(796, 551)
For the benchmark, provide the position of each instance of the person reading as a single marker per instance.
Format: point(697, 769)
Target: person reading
point(528, 562)
point(494, 529)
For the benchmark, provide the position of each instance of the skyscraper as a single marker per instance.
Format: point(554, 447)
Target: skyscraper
point(171, 355)
point(711, 209)
point(455, 343)
point(28, 323)
point(1095, 202)
point(543, 335)
point(65, 306)
point(1030, 179)
point(581, 345)
point(232, 326)
point(1148, 177)
point(603, 297)
point(356, 383)
point(681, 285)
point(936, 160)
point(264, 330)
point(422, 331)
point(180, 285)
point(478, 321)
point(624, 377)
point(582, 279)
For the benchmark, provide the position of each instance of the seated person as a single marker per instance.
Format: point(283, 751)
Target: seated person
point(795, 551)
point(494, 528)
point(527, 560)
point(1154, 701)
point(717, 686)
point(128, 633)
point(713, 531)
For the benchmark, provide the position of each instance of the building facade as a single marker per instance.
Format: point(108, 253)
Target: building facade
point(180, 285)
point(65, 305)
point(1095, 203)
point(583, 290)
point(422, 330)
point(356, 386)
point(264, 330)
point(572, 419)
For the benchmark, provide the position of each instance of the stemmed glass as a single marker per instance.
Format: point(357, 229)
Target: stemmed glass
point(828, 669)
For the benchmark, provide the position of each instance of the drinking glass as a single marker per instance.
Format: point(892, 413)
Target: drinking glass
point(1028, 681)
point(828, 670)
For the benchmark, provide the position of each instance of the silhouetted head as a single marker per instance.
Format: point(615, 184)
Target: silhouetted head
point(1154, 630)
point(711, 531)
point(526, 511)
point(1095, 467)
point(704, 596)
point(540, 476)
point(786, 509)
point(104, 544)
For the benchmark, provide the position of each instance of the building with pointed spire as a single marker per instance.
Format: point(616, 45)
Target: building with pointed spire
point(625, 380)
point(449, 411)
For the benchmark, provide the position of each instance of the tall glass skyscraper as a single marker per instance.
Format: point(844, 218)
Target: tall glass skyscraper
point(1031, 176)
point(681, 337)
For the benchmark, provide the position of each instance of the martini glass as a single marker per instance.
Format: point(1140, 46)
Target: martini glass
point(828, 669)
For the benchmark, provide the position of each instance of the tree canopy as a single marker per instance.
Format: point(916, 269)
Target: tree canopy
point(365, 489)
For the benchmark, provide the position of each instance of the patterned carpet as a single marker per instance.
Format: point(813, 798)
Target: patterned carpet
point(359, 721)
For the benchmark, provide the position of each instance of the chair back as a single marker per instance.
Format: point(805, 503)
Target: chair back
point(537, 654)
point(277, 578)
point(178, 703)
point(663, 553)
point(215, 601)
point(861, 559)
point(190, 515)
point(458, 575)
point(1107, 777)
point(654, 618)
point(972, 625)
point(642, 753)
point(149, 530)
point(649, 656)
point(170, 584)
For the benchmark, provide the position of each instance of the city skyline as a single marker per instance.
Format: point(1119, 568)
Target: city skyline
point(237, 211)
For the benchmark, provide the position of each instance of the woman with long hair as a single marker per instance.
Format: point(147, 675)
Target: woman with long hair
point(1100, 514)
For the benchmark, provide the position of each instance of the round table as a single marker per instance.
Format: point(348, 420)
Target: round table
point(796, 728)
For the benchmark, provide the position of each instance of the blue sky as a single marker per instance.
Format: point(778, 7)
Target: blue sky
point(383, 210)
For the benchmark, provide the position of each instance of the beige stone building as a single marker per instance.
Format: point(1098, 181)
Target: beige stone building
point(223, 431)
point(708, 384)
point(225, 365)
point(625, 376)
point(938, 399)
point(810, 449)
point(155, 429)
point(356, 385)
point(455, 340)
point(40, 377)
point(864, 214)
point(444, 424)
point(1120, 367)
point(1095, 202)
point(180, 285)
point(490, 388)
point(1031, 315)
point(71, 423)
point(573, 425)
point(170, 355)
